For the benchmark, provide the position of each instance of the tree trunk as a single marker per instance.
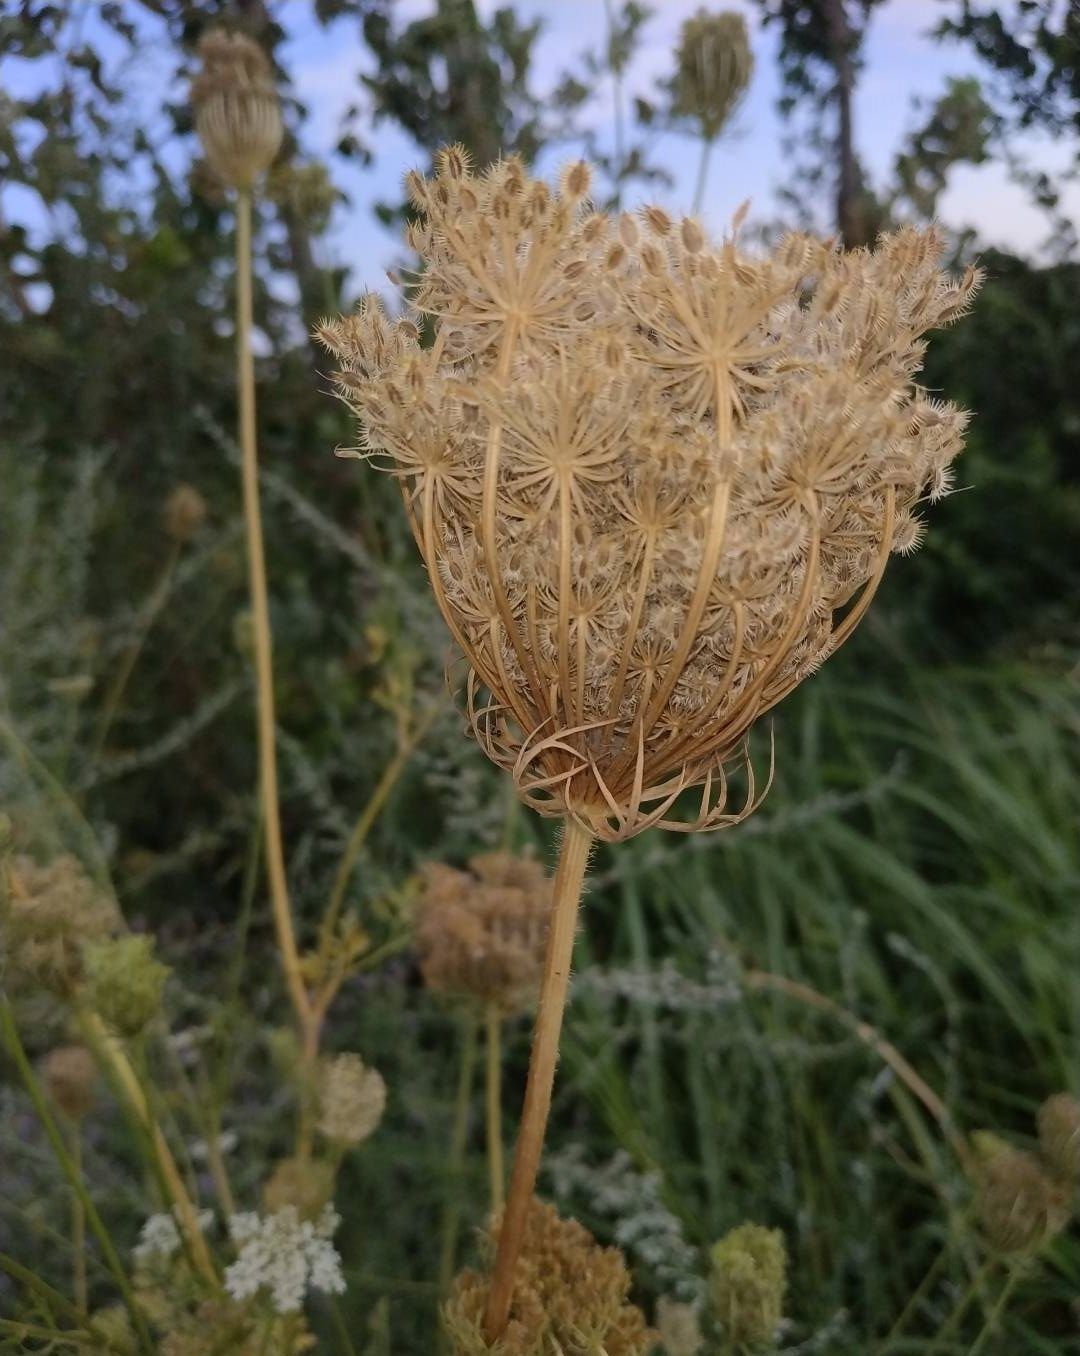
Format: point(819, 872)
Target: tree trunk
point(850, 216)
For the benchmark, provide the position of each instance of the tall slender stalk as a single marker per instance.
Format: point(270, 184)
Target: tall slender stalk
point(569, 879)
point(458, 1135)
point(702, 174)
point(260, 611)
point(78, 1225)
point(493, 1101)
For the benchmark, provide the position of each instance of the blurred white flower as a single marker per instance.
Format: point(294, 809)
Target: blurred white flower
point(159, 1238)
point(285, 1254)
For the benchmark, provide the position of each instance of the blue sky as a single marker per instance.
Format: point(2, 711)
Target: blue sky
point(902, 63)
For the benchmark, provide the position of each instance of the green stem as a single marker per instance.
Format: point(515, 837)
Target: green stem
point(128, 660)
point(458, 1136)
point(68, 1168)
point(78, 1225)
point(953, 1321)
point(994, 1317)
point(702, 175)
point(496, 1171)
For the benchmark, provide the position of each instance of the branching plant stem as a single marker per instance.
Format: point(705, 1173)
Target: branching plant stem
point(569, 880)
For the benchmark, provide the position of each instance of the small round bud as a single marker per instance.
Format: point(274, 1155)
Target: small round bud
point(184, 513)
point(70, 1075)
point(1059, 1136)
point(113, 1326)
point(125, 982)
point(243, 632)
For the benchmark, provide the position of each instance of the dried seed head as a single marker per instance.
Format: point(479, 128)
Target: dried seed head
point(184, 514)
point(54, 912)
point(747, 1284)
point(1018, 1203)
point(237, 110)
point(481, 933)
point(747, 466)
point(352, 1098)
point(570, 1296)
point(714, 66)
point(125, 982)
point(1059, 1136)
point(70, 1074)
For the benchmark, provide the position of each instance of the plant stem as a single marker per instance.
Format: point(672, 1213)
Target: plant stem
point(458, 1135)
point(702, 174)
point(961, 1309)
point(78, 1225)
point(996, 1312)
point(111, 1051)
point(260, 611)
point(67, 1167)
point(569, 879)
point(493, 1021)
point(129, 658)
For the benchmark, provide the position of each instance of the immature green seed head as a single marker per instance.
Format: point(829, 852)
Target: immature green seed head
point(125, 982)
point(1059, 1136)
point(748, 1283)
point(714, 65)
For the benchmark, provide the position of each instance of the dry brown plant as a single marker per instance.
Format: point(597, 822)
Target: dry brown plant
point(655, 483)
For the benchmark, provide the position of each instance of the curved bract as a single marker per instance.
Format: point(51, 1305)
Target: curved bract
point(655, 482)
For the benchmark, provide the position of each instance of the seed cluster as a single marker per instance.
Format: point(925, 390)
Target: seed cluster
point(570, 1297)
point(481, 933)
point(655, 482)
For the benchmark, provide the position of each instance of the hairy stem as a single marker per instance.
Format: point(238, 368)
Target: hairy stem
point(260, 611)
point(496, 1170)
point(569, 880)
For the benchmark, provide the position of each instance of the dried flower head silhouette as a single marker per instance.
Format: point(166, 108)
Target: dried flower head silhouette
point(655, 483)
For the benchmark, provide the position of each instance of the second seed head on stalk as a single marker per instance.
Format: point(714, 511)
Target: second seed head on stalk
point(655, 482)
point(237, 110)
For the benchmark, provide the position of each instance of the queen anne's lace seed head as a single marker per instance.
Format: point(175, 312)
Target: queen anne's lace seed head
point(570, 1297)
point(237, 110)
point(655, 482)
point(481, 933)
point(748, 1284)
point(53, 912)
point(286, 1255)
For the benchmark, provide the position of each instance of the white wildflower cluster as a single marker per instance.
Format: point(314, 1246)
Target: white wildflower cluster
point(159, 1238)
point(642, 1225)
point(285, 1254)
